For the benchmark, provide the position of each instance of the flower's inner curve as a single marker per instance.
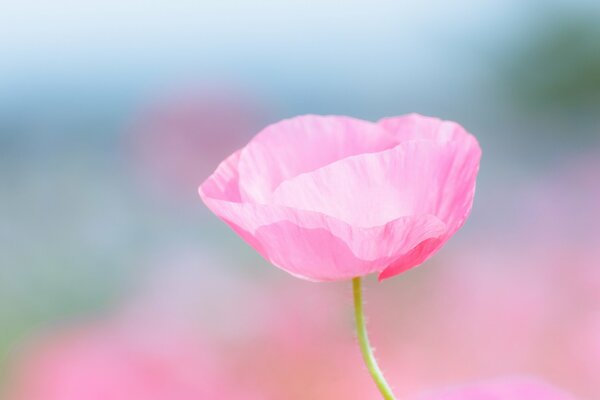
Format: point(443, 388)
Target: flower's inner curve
point(370, 189)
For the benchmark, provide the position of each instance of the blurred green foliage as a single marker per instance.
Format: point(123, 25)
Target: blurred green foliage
point(558, 68)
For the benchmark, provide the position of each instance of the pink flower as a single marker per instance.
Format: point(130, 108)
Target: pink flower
point(331, 198)
point(176, 139)
point(519, 389)
point(107, 361)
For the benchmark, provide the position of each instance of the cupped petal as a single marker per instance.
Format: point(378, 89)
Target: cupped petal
point(302, 144)
point(223, 184)
point(416, 126)
point(317, 247)
point(416, 177)
point(417, 256)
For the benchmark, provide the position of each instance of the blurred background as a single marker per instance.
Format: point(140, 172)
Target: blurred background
point(117, 283)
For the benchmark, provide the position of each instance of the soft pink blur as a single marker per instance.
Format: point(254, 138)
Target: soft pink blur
point(290, 339)
point(156, 345)
point(106, 361)
point(515, 389)
point(178, 139)
point(477, 313)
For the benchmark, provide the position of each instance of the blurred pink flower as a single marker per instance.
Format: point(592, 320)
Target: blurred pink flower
point(283, 354)
point(495, 307)
point(109, 361)
point(331, 198)
point(583, 345)
point(518, 389)
point(564, 201)
point(176, 141)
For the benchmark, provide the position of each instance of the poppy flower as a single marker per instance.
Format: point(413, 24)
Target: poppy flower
point(330, 198)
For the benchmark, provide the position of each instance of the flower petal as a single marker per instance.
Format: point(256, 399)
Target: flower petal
point(223, 184)
point(302, 144)
point(321, 248)
point(414, 178)
point(417, 256)
point(417, 177)
point(416, 126)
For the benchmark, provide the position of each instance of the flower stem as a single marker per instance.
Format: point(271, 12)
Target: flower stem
point(365, 347)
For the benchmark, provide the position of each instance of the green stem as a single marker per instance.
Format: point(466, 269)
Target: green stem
point(365, 347)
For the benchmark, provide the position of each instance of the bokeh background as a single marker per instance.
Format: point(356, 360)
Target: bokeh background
point(117, 283)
